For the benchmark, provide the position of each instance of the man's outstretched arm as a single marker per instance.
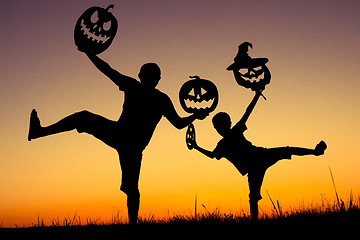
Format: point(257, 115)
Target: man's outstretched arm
point(177, 121)
point(181, 122)
point(118, 78)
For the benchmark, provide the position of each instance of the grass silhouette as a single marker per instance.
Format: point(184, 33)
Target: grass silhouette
point(338, 213)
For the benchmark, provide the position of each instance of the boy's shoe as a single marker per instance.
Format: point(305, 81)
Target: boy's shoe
point(34, 125)
point(320, 148)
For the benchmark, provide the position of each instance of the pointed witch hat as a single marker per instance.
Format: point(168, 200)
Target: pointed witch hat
point(243, 60)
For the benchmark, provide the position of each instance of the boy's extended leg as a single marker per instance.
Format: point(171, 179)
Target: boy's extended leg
point(318, 150)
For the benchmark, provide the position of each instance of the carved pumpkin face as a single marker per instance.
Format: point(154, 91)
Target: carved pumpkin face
point(253, 74)
point(95, 30)
point(198, 95)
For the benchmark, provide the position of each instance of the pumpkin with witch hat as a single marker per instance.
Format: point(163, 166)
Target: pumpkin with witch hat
point(253, 72)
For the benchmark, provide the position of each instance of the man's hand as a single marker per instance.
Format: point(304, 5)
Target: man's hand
point(201, 114)
point(83, 50)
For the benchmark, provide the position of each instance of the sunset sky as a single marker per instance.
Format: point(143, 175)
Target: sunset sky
point(314, 56)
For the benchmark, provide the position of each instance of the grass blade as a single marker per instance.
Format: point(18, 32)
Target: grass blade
point(276, 211)
point(195, 208)
point(336, 194)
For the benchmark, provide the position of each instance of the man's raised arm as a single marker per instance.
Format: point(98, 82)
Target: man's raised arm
point(118, 78)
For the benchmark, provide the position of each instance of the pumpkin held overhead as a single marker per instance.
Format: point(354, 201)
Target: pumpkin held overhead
point(95, 30)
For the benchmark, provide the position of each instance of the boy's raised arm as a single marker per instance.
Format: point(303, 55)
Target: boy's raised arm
point(250, 108)
point(241, 124)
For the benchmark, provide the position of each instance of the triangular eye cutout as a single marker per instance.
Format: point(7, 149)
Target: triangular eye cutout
point(203, 91)
point(257, 68)
point(192, 93)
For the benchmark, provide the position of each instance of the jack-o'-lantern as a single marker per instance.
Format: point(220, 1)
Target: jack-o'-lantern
point(254, 77)
point(95, 30)
point(198, 95)
point(253, 72)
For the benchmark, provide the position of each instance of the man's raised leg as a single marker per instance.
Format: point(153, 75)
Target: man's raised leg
point(68, 123)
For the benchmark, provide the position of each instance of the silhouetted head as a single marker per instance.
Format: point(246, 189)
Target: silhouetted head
point(150, 75)
point(222, 123)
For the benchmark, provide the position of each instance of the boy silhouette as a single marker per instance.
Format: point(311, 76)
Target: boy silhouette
point(143, 107)
point(247, 158)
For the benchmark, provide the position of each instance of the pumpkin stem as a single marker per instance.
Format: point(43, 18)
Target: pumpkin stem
point(110, 6)
point(196, 77)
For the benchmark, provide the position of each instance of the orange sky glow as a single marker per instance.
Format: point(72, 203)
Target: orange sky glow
point(313, 50)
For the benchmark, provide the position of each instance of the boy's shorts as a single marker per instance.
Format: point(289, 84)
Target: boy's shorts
point(262, 159)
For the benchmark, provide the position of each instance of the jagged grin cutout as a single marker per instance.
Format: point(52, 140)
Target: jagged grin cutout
point(252, 74)
point(92, 33)
point(198, 101)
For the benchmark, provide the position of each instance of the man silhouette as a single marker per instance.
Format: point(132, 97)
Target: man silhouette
point(143, 108)
point(247, 158)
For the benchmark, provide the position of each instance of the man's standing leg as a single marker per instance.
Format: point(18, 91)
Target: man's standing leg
point(130, 162)
point(133, 203)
